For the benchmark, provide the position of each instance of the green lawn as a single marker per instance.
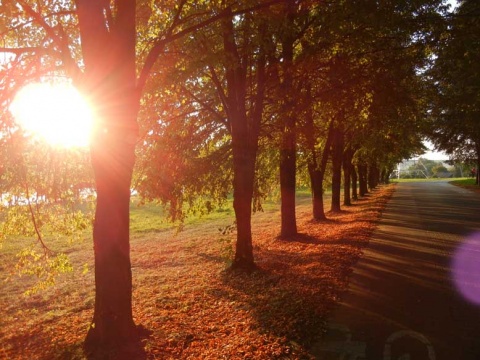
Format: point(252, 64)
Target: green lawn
point(428, 180)
point(463, 182)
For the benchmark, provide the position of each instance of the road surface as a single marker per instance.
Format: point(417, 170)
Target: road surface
point(403, 302)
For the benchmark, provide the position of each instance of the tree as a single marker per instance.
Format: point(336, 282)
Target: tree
point(455, 79)
point(102, 37)
point(245, 129)
point(288, 146)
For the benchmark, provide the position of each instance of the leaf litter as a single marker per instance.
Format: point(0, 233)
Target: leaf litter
point(194, 307)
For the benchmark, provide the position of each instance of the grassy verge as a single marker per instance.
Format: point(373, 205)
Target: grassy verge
point(184, 295)
point(426, 180)
point(466, 184)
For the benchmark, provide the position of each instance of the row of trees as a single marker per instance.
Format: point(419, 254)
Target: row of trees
point(454, 81)
point(230, 97)
point(299, 86)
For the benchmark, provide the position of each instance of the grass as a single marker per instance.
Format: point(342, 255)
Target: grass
point(183, 294)
point(466, 184)
point(425, 180)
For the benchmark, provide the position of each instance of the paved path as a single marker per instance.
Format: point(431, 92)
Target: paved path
point(402, 303)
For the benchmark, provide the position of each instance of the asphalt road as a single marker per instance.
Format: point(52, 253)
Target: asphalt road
point(403, 302)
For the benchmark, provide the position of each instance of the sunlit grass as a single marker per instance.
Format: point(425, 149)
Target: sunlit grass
point(152, 217)
point(426, 180)
point(468, 183)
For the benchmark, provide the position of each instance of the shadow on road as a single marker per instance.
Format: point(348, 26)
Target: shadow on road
point(402, 302)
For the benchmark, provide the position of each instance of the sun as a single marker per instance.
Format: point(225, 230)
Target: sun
point(56, 112)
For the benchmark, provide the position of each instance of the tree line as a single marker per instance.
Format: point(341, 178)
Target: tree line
point(196, 101)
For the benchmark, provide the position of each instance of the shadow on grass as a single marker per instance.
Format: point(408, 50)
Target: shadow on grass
point(290, 296)
point(46, 347)
point(131, 349)
point(279, 309)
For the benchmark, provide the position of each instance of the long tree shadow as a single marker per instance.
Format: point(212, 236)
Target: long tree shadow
point(291, 294)
point(133, 349)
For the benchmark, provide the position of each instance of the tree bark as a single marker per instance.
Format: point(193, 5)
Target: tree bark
point(109, 81)
point(112, 324)
point(362, 178)
point(354, 183)
point(316, 167)
point(288, 181)
point(337, 154)
point(245, 129)
point(243, 180)
point(316, 180)
point(373, 175)
point(288, 151)
point(317, 174)
point(347, 176)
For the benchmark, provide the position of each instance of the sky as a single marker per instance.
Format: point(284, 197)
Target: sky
point(433, 154)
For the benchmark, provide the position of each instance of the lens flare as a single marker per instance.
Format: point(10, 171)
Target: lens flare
point(466, 268)
point(56, 112)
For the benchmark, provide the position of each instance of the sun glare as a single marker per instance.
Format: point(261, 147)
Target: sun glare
point(55, 112)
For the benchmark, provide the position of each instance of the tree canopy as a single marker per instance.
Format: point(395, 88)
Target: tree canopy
point(454, 79)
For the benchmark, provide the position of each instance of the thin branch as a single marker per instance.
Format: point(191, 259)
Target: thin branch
point(23, 24)
point(60, 41)
point(23, 50)
point(160, 44)
point(206, 106)
point(41, 21)
point(46, 249)
point(220, 89)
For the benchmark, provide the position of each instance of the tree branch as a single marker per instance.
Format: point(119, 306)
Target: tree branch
point(46, 249)
point(206, 106)
point(23, 50)
point(160, 44)
point(67, 59)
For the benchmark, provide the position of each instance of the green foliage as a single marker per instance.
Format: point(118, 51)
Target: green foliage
point(440, 171)
point(423, 167)
point(455, 80)
point(45, 205)
point(227, 250)
point(44, 269)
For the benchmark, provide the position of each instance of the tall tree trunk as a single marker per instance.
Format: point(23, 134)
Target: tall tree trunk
point(383, 175)
point(354, 182)
point(316, 167)
point(347, 176)
point(245, 129)
point(243, 180)
point(317, 174)
point(288, 181)
point(337, 155)
point(110, 80)
point(316, 181)
point(362, 178)
point(288, 151)
point(112, 324)
point(373, 175)
point(388, 174)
